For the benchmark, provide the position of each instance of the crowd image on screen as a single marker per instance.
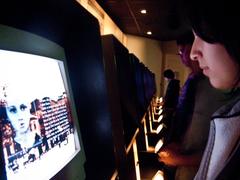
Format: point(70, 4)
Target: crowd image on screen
point(32, 128)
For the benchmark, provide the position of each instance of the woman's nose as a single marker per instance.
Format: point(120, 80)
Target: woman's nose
point(194, 54)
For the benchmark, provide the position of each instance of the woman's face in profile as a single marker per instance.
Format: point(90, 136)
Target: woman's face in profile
point(217, 64)
point(19, 115)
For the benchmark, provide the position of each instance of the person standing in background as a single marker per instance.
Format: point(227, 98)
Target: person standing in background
point(172, 91)
point(170, 99)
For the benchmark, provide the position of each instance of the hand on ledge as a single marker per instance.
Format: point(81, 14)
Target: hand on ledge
point(172, 155)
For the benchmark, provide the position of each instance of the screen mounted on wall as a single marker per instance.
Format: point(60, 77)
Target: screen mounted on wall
point(37, 123)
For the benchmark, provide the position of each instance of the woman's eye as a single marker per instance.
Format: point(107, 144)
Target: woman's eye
point(12, 109)
point(23, 107)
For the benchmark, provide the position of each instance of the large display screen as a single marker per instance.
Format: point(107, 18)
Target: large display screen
point(37, 123)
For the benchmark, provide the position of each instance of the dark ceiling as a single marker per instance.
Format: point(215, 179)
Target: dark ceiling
point(163, 17)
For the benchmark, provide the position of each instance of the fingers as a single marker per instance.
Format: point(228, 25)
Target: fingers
point(163, 154)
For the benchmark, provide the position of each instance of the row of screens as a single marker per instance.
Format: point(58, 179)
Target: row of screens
point(36, 119)
point(145, 85)
point(137, 87)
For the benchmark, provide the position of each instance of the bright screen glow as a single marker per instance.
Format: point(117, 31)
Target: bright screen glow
point(38, 134)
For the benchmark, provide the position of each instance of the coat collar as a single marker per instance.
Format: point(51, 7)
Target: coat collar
point(231, 109)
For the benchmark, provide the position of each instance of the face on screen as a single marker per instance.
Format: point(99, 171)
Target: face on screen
point(39, 128)
point(18, 113)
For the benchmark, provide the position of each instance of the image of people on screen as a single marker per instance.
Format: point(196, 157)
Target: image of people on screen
point(18, 138)
point(36, 121)
point(33, 127)
point(18, 113)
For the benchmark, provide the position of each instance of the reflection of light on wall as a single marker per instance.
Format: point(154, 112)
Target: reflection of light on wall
point(159, 128)
point(156, 131)
point(157, 113)
point(107, 26)
point(160, 111)
point(157, 108)
point(114, 176)
point(158, 176)
point(161, 99)
point(145, 133)
point(132, 141)
point(150, 124)
point(136, 161)
point(158, 145)
point(159, 119)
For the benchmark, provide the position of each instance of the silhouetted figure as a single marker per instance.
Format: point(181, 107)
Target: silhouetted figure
point(172, 91)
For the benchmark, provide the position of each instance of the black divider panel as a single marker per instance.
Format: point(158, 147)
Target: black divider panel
point(138, 93)
point(66, 23)
point(145, 89)
point(121, 66)
point(150, 85)
point(145, 85)
point(141, 102)
point(87, 71)
point(120, 83)
point(127, 93)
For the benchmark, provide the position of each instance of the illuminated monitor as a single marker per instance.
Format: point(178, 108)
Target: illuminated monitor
point(38, 132)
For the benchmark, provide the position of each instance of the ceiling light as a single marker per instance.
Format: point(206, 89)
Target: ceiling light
point(143, 11)
point(149, 32)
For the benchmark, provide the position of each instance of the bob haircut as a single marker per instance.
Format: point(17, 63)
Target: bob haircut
point(215, 21)
point(168, 73)
point(186, 38)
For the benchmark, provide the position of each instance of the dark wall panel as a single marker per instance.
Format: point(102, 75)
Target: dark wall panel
point(72, 27)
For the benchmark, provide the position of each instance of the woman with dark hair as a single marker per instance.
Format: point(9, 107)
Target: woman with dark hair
point(216, 47)
point(190, 124)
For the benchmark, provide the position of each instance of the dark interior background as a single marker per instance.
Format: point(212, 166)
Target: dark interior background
point(164, 17)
